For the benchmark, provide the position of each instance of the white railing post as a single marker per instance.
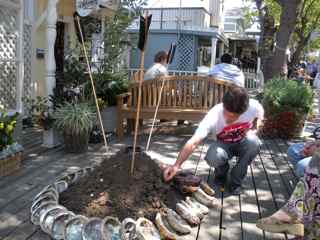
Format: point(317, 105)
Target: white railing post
point(213, 51)
point(51, 137)
point(51, 39)
point(20, 57)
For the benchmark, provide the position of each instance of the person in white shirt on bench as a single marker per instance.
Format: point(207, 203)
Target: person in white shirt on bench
point(159, 68)
point(227, 71)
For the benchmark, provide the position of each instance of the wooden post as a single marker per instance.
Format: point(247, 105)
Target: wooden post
point(139, 96)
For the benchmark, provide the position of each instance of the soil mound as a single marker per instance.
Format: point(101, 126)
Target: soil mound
point(111, 190)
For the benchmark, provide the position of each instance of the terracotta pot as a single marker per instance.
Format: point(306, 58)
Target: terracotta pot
point(285, 125)
point(76, 143)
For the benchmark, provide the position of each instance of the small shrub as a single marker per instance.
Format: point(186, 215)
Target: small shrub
point(286, 105)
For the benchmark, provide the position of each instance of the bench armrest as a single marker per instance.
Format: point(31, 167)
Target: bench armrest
point(122, 97)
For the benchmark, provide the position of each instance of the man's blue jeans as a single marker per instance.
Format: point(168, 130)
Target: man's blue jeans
point(220, 153)
point(298, 161)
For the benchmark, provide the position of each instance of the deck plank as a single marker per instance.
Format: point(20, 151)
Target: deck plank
point(282, 148)
point(250, 209)
point(268, 201)
point(266, 188)
point(281, 165)
point(231, 218)
point(39, 235)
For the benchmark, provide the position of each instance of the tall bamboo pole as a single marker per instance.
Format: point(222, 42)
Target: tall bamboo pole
point(139, 95)
point(155, 114)
point(92, 84)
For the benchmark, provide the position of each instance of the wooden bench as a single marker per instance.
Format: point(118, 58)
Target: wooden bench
point(183, 98)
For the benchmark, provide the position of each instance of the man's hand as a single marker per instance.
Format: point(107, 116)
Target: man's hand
point(188, 148)
point(170, 172)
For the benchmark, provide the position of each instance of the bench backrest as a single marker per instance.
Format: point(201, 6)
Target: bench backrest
point(186, 92)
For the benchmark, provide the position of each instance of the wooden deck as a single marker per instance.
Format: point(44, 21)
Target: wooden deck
point(269, 183)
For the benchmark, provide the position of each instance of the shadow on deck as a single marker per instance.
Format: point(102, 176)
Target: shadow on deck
point(268, 185)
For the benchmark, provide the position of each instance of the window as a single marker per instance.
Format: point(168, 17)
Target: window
point(230, 27)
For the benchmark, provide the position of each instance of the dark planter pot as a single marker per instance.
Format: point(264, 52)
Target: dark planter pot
point(109, 118)
point(76, 143)
point(286, 125)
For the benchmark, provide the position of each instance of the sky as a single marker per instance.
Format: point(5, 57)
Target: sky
point(191, 3)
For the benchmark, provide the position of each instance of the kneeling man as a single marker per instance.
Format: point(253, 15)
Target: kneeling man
point(234, 122)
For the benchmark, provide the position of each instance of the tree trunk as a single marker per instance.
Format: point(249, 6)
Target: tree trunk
point(288, 20)
point(297, 53)
point(266, 41)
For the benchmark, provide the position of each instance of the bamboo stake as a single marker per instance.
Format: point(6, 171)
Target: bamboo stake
point(155, 114)
point(157, 108)
point(92, 84)
point(139, 97)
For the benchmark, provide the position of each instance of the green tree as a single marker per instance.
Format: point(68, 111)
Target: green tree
point(308, 23)
point(109, 75)
point(277, 18)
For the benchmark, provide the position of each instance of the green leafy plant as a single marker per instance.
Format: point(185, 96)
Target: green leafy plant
point(74, 68)
point(286, 104)
point(75, 119)
point(7, 125)
point(108, 86)
point(287, 95)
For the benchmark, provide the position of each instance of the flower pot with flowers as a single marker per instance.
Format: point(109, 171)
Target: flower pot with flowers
point(286, 105)
point(10, 151)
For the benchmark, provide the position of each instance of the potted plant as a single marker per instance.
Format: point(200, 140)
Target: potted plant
point(75, 121)
point(40, 111)
point(10, 151)
point(287, 104)
point(108, 86)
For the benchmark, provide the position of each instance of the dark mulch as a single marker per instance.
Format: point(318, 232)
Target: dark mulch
point(111, 190)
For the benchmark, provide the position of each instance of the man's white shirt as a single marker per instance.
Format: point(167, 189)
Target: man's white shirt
point(214, 123)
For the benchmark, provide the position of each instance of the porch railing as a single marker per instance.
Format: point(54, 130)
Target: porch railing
point(251, 81)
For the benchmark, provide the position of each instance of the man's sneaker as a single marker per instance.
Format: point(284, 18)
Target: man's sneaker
point(220, 180)
point(234, 189)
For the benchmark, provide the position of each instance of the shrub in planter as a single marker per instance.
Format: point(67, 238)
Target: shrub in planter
point(75, 121)
point(10, 151)
point(108, 86)
point(286, 105)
